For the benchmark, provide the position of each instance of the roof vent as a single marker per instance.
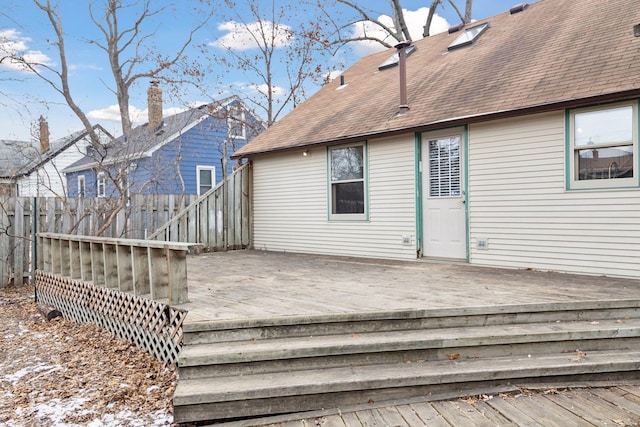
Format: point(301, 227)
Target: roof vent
point(392, 61)
point(636, 30)
point(518, 8)
point(456, 28)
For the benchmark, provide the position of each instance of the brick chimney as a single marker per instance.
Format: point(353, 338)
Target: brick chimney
point(154, 101)
point(44, 135)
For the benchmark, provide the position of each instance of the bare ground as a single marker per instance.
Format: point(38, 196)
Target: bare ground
point(66, 374)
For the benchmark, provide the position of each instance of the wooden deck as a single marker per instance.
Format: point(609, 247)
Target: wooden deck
point(253, 284)
point(588, 407)
point(257, 321)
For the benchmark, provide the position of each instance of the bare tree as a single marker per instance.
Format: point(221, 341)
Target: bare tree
point(465, 19)
point(339, 27)
point(131, 58)
point(261, 42)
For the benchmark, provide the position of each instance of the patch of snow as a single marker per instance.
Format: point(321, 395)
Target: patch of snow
point(17, 376)
point(156, 419)
point(55, 411)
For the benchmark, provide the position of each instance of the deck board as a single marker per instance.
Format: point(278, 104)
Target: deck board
point(429, 415)
point(511, 411)
point(583, 407)
point(259, 284)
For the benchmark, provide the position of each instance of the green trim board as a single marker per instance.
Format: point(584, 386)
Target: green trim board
point(418, 185)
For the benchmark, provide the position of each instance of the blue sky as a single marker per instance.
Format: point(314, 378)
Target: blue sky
point(23, 26)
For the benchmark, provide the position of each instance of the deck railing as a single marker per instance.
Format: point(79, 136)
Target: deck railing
point(220, 219)
point(140, 267)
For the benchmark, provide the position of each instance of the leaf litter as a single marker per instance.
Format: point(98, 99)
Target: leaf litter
point(70, 374)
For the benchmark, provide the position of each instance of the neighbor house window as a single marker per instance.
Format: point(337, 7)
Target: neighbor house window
point(237, 124)
point(82, 186)
point(348, 182)
point(206, 177)
point(101, 182)
point(603, 146)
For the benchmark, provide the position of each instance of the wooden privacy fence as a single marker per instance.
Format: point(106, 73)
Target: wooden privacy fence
point(20, 217)
point(220, 219)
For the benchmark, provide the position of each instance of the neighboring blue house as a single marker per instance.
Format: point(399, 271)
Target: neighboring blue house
point(179, 154)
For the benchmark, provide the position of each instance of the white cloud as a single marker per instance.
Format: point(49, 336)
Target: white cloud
point(12, 43)
point(92, 67)
point(415, 22)
point(138, 116)
point(332, 75)
point(264, 89)
point(249, 36)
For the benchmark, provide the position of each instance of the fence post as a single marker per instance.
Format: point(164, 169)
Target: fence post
point(34, 258)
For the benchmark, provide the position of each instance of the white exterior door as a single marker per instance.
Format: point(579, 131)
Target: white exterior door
point(444, 214)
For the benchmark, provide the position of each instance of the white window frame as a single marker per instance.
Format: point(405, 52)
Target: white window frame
point(213, 177)
point(572, 181)
point(101, 184)
point(364, 216)
point(237, 117)
point(82, 186)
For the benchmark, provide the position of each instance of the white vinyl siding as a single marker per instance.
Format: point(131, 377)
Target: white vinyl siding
point(48, 180)
point(290, 209)
point(518, 202)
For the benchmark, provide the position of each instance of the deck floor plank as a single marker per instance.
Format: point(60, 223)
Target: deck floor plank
point(547, 412)
point(505, 405)
point(576, 403)
point(429, 415)
point(391, 416)
point(370, 418)
point(619, 401)
point(606, 408)
point(350, 419)
point(493, 415)
point(409, 415)
point(473, 413)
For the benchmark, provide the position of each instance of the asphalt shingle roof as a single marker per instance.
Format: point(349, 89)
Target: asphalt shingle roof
point(142, 138)
point(22, 157)
point(554, 53)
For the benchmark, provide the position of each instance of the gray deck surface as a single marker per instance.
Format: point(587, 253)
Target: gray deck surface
point(259, 285)
point(254, 284)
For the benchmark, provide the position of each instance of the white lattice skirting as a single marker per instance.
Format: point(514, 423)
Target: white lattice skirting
point(151, 325)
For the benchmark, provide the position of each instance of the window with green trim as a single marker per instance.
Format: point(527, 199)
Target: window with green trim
point(347, 182)
point(603, 146)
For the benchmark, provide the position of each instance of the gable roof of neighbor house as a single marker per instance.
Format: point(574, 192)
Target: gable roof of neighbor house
point(142, 141)
point(554, 54)
point(19, 158)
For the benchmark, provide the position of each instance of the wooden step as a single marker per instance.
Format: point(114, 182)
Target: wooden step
point(350, 323)
point(273, 393)
point(301, 353)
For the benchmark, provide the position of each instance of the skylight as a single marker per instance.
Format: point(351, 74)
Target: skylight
point(468, 36)
point(392, 61)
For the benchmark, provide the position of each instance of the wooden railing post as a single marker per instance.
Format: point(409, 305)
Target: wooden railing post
point(143, 267)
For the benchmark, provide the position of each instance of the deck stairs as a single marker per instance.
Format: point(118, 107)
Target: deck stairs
point(251, 368)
